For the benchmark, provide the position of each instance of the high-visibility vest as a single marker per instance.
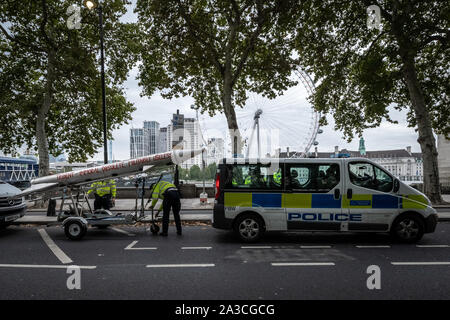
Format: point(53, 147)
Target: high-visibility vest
point(158, 191)
point(277, 177)
point(103, 188)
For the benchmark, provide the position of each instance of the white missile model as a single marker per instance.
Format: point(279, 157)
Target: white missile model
point(106, 171)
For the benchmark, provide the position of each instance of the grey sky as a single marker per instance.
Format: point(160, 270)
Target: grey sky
point(387, 136)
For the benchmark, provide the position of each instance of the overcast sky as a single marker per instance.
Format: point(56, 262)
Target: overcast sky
point(290, 113)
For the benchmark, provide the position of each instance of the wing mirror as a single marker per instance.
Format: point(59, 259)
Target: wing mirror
point(396, 185)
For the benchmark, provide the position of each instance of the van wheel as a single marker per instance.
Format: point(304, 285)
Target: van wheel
point(75, 230)
point(249, 228)
point(408, 228)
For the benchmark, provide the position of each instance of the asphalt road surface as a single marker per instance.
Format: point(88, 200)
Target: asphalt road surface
point(205, 263)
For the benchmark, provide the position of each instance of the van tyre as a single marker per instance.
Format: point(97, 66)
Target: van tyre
point(408, 228)
point(75, 230)
point(249, 228)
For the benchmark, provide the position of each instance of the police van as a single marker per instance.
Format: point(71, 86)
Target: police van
point(311, 194)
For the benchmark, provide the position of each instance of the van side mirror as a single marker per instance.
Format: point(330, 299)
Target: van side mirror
point(396, 185)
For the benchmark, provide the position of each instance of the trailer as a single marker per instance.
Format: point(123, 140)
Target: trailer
point(80, 215)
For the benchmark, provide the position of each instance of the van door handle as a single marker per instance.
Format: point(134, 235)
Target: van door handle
point(337, 194)
point(349, 193)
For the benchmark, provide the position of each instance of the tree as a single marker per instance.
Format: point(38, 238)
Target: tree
point(50, 90)
point(211, 170)
point(216, 51)
point(195, 172)
point(362, 71)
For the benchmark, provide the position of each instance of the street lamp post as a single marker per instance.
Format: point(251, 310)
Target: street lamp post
point(90, 5)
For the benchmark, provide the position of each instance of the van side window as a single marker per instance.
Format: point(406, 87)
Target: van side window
point(366, 175)
point(253, 176)
point(310, 177)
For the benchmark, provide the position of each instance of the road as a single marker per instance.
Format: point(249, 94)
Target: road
point(205, 263)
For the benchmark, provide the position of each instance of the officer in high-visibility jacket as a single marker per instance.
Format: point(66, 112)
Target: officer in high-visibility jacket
point(168, 192)
point(105, 193)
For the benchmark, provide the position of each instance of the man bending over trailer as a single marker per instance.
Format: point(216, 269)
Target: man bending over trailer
point(168, 192)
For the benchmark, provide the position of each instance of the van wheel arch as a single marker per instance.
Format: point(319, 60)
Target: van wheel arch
point(249, 213)
point(421, 226)
point(249, 226)
point(413, 213)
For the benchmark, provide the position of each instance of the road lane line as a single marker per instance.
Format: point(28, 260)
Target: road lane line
point(443, 263)
point(301, 264)
point(371, 247)
point(196, 248)
point(54, 248)
point(432, 246)
point(123, 231)
point(131, 247)
point(44, 266)
point(256, 247)
point(192, 265)
point(315, 247)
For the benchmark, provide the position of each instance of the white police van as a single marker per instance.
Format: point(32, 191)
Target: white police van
point(342, 194)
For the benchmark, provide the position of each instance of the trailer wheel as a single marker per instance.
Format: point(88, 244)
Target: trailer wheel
point(75, 230)
point(154, 228)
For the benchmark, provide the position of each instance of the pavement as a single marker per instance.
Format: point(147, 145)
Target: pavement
point(208, 264)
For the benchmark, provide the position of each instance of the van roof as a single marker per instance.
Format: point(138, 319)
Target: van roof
point(286, 160)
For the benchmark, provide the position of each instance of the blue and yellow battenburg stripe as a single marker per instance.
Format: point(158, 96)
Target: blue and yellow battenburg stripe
point(317, 200)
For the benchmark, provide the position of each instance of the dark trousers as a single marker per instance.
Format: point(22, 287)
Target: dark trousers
point(171, 200)
point(103, 202)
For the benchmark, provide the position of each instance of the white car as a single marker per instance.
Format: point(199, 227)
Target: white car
point(11, 208)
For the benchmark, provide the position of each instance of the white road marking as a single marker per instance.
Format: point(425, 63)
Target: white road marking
point(131, 247)
point(123, 231)
point(54, 248)
point(444, 263)
point(256, 247)
point(196, 248)
point(372, 247)
point(193, 265)
point(432, 246)
point(301, 264)
point(315, 247)
point(44, 266)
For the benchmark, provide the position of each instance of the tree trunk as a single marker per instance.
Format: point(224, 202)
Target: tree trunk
point(230, 114)
point(426, 139)
point(41, 120)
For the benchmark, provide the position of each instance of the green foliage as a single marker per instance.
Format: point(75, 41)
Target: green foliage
point(195, 173)
point(216, 49)
point(211, 170)
point(360, 70)
point(34, 29)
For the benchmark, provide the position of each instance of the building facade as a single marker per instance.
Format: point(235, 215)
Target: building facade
point(443, 147)
point(216, 150)
point(192, 140)
point(153, 139)
point(139, 142)
point(402, 163)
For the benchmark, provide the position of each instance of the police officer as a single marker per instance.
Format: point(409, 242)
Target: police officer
point(168, 192)
point(277, 177)
point(105, 193)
